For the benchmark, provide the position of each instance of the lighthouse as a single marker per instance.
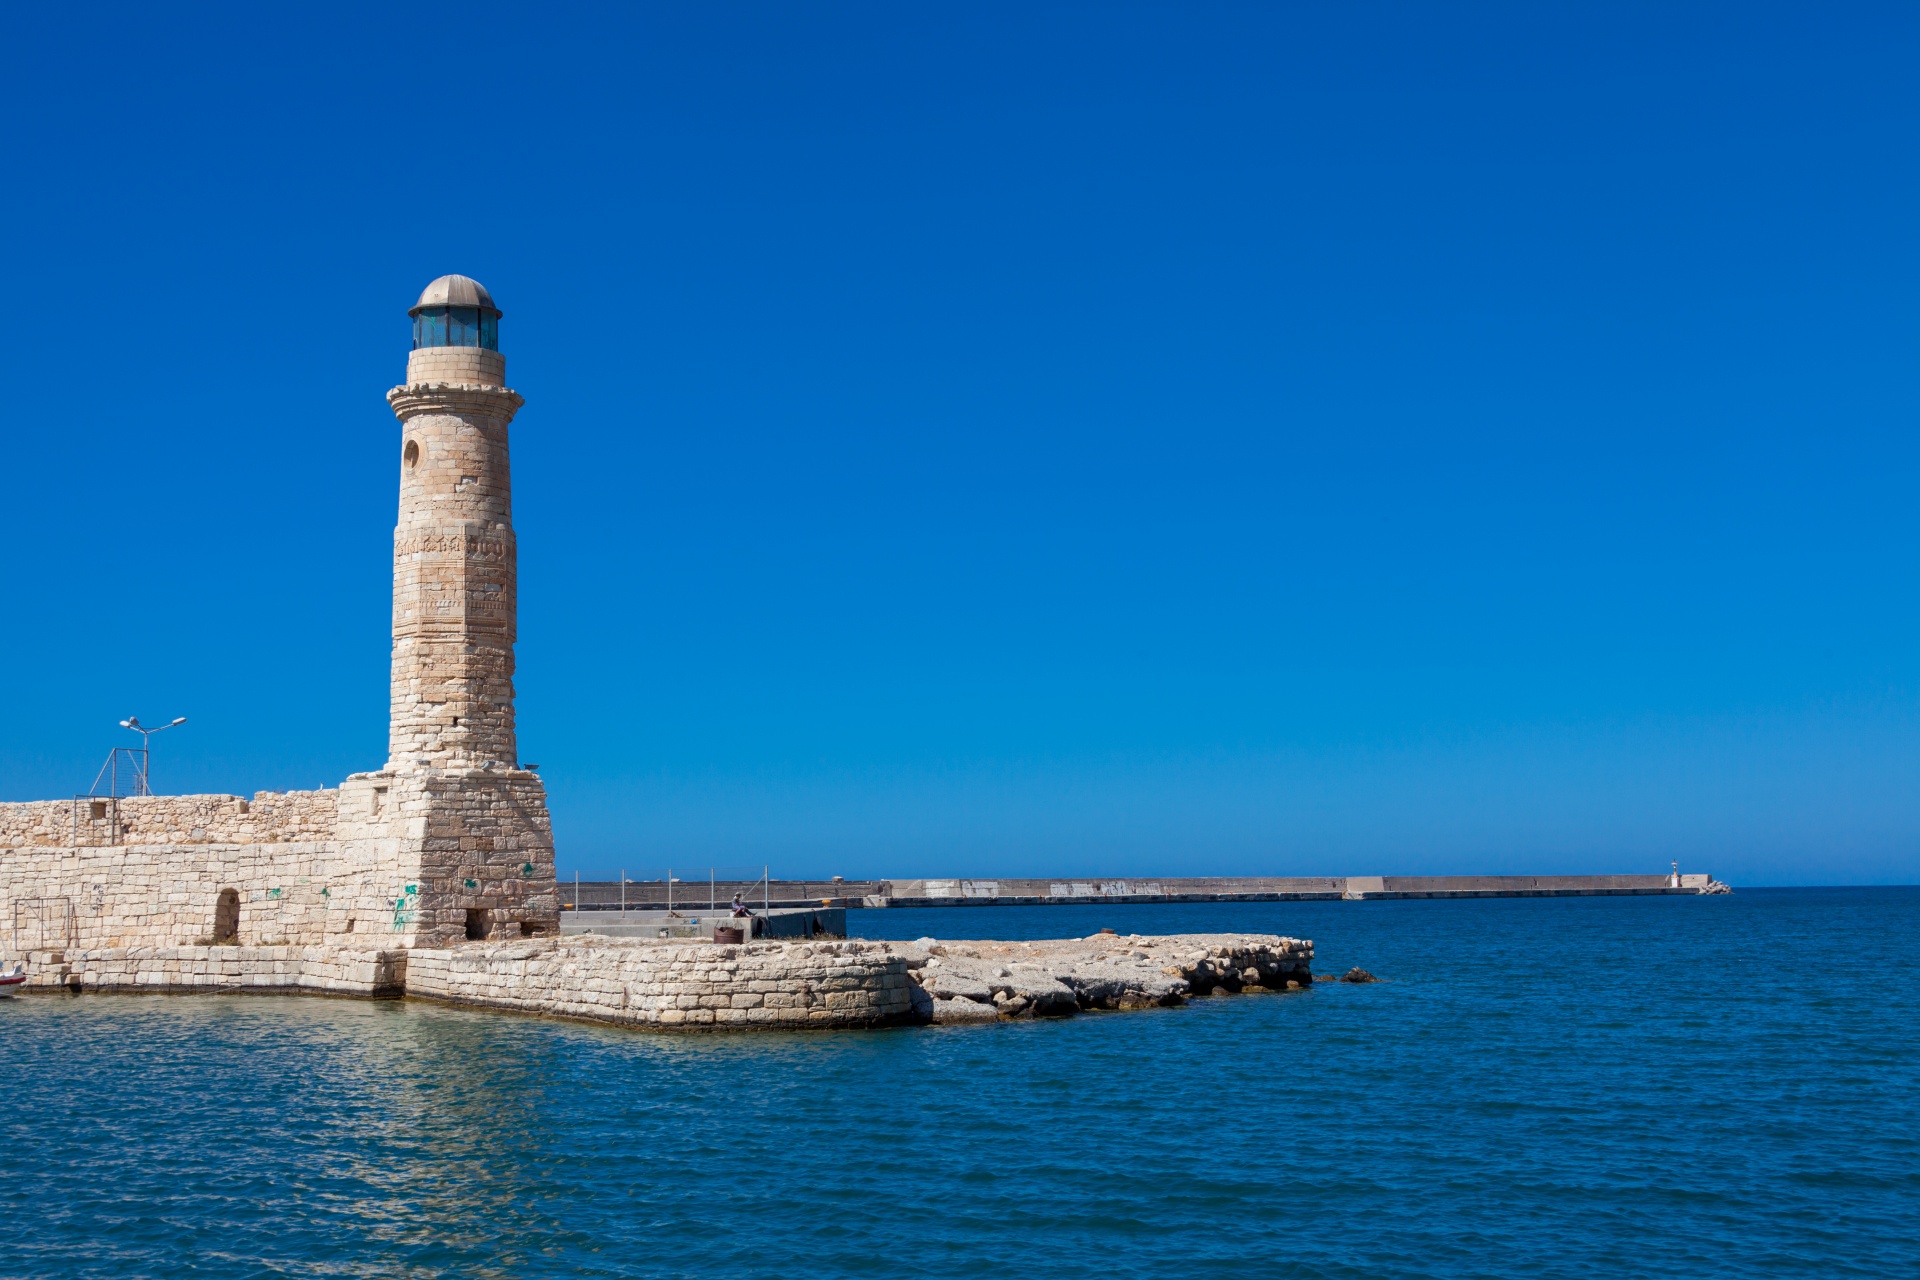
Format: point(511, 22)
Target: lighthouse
point(454, 561)
point(454, 833)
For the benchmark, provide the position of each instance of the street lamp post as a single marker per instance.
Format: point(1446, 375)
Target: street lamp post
point(146, 746)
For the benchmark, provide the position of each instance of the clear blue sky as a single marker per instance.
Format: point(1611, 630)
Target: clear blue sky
point(1005, 439)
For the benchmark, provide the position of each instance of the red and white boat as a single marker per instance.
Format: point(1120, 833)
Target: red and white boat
point(11, 980)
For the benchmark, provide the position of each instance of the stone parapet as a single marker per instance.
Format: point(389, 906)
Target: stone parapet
point(267, 817)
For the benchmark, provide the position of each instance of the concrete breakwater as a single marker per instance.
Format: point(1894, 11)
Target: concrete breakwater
point(679, 985)
point(588, 898)
point(954, 893)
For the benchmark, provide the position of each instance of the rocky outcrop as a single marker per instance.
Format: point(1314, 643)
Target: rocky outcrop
point(984, 981)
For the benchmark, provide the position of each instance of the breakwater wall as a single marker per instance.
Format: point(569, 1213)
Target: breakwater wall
point(952, 893)
point(591, 897)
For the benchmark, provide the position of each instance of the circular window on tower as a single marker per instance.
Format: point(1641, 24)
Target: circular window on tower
point(412, 454)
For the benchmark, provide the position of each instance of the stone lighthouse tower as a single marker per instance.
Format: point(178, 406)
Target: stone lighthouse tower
point(461, 826)
point(454, 560)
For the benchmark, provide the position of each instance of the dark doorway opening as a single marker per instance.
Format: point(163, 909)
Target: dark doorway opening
point(226, 918)
point(479, 923)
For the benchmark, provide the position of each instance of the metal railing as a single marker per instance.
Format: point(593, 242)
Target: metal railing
point(706, 890)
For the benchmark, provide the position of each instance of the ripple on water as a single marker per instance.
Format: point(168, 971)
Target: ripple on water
point(1703, 1087)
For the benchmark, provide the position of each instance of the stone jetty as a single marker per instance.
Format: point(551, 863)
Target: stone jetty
point(677, 985)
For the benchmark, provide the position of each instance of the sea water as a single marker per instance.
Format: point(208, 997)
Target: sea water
point(1714, 1086)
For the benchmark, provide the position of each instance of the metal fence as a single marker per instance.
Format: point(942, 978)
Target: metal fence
point(706, 889)
point(124, 774)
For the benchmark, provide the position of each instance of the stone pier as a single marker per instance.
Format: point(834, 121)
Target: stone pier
point(677, 985)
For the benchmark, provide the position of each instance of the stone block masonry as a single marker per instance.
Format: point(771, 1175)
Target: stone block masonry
point(177, 870)
point(426, 857)
point(208, 970)
point(454, 579)
point(688, 987)
point(269, 817)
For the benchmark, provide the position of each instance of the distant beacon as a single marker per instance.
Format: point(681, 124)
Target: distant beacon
point(456, 311)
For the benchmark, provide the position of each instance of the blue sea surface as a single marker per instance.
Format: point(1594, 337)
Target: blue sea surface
point(1716, 1086)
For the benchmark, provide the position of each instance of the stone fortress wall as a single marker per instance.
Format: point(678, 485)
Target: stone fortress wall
point(382, 860)
point(149, 870)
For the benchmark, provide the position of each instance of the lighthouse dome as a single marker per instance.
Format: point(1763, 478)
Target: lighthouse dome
point(455, 311)
point(455, 291)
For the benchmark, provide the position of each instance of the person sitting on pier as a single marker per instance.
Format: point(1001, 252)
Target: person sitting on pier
point(740, 907)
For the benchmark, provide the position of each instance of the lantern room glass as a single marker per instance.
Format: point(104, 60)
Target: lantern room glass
point(456, 327)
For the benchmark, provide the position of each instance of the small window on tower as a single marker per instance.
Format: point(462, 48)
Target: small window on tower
point(412, 453)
